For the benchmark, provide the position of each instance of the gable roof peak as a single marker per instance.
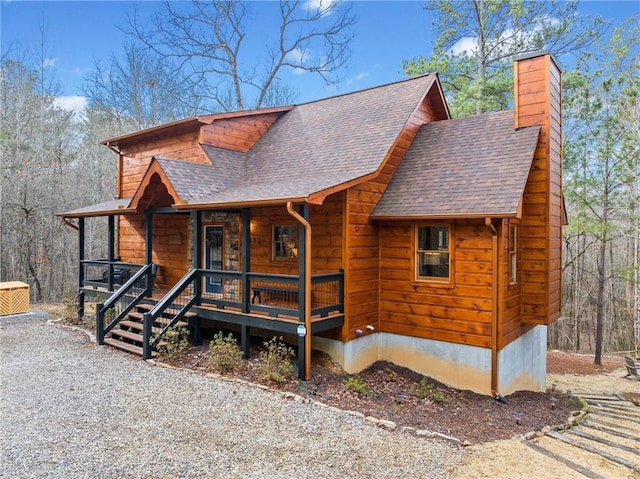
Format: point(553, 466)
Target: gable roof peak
point(362, 90)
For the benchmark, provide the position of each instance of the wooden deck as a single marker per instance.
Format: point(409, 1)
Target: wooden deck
point(263, 319)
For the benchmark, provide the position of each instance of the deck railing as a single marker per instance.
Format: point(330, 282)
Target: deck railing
point(274, 294)
point(121, 302)
point(109, 275)
point(254, 293)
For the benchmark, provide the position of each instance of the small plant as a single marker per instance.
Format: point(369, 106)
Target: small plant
point(173, 343)
point(70, 307)
point(224, 353)
point(438, 397)
point(426, 390)
point(276, 361)
point(358, 385)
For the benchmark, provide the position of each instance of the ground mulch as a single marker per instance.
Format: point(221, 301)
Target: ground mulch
point(400, 395)
point(397, 394)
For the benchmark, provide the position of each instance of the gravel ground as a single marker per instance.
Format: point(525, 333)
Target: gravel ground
point(72, 409)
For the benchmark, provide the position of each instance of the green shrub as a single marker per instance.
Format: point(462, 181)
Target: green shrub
point(276, 361)
point(70, 307)
point(425, 390)
point(173, 343)
point(224, 353)
point(357, 385)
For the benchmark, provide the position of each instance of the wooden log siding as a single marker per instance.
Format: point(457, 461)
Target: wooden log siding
point(136, 158)
point(326, 242)
point(537, 101)
point(362, 245)
point(237, 134)
point(459, 312)
point(171, 239)
point(510, 326)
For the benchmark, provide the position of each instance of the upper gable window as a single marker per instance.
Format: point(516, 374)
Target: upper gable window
point(285, 242)
point(433, 253)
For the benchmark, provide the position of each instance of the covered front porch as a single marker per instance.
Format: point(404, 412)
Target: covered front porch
point(298, 304)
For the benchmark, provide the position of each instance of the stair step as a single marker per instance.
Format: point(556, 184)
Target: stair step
point(131, 336)
point(164, 321)
point(137, 326)
point(128, 347)
point(171, 311)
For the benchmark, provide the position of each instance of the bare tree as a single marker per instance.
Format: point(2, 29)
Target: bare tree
point(208, 41)
point(139, 90)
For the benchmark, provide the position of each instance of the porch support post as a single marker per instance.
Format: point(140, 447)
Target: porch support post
point(245, 341)
point(80, 268)
point(197, 251)
point(195, 324)
point(148, 238)
point(245, 261)
point(148, 245)
point(111, 250)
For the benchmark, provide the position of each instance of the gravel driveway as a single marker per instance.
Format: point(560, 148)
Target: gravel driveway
point(72, 409)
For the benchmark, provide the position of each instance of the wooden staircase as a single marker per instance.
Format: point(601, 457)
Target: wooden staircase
point(127, 335)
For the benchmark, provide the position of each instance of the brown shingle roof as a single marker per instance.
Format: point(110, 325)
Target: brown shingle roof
point(192, 181)
point(118, 206)
point(474, 166)
point(326, 143)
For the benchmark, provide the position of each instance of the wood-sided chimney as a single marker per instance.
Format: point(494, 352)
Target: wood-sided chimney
point(538, 101)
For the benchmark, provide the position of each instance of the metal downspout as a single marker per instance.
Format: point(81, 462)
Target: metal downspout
point(494, 307)
point(307, 288)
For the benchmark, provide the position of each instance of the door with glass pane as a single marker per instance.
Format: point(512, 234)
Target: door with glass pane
point(213, 255)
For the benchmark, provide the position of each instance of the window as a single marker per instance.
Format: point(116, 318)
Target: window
point(513, 253)
point(285, 242)
point(433, 254)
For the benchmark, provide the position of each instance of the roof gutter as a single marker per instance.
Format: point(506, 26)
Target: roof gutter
point(68, 223)
point(494, 307)
point(307, 288)
point(108, 145)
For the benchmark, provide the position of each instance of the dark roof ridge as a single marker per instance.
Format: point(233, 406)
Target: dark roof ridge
point(375, 87)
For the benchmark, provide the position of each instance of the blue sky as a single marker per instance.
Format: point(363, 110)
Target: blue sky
point(77, 33)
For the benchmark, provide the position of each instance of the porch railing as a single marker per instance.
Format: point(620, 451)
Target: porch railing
point(273, 294)
point(123, 301)
point(102, 273)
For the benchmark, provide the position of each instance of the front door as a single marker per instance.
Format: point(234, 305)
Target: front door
point(213, 256)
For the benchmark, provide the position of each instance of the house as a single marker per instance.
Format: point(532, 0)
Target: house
point(370, 224)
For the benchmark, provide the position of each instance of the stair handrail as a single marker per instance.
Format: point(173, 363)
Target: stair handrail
point(164, 304)
point(101, 309)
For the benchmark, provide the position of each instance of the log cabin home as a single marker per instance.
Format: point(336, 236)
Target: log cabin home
point(368, 225)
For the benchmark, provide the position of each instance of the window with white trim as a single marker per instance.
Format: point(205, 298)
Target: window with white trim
point(433, 255)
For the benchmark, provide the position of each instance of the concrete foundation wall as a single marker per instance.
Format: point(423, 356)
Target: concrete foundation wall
point(521, 365)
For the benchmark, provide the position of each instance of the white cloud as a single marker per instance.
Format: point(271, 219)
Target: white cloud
point(300, 57)
point(469, 45)
point(466, 44)
point(358, 77)
point(75, 104)
point(322, 7)
point(49, 62)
